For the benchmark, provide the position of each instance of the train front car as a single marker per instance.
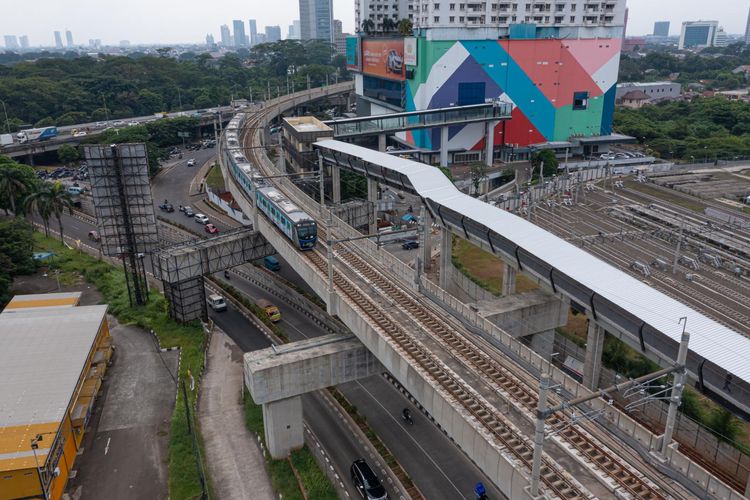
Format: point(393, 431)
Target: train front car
point(307, 234)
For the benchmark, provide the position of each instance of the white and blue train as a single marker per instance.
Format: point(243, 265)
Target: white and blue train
point(296, 224)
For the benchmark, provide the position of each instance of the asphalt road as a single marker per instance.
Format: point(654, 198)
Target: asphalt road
point(436, 465)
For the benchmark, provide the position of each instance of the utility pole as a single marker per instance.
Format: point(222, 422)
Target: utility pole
point(677, 386)
point(541, 409)
point(322, 183)
point(104, 102)
point(677, 249)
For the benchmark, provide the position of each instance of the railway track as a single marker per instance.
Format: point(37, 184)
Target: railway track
point(629, 480)
point(709, 300)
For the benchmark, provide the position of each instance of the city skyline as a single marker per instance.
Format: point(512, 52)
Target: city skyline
point(188, 25)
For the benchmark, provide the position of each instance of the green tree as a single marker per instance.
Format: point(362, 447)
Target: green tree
point(405, 27)
point(67, 154)
point(47, 121)
point(368, 26)
point(202, 101)
point(16, 243)
point(50, 200)
point(548, 159)
point(724, 425)
point(388, 24)
point(16, 181)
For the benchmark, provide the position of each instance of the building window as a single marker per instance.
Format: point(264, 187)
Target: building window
point(461, 19)
point(452, 19)
point(572, 7)
point(436, 6)
point(471, 93)
point(572, 19)
point(436, 19)
point(580, 100)
point(461, 6)
point(452, 6)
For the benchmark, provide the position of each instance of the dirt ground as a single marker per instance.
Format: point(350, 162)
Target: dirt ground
point(42, 282)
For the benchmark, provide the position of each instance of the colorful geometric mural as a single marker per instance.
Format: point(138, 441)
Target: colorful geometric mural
point(559, 88)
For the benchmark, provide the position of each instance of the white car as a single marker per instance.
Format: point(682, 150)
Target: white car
point(132, 124)
point(101, 124)
point(118, 124)
point(201, 218)
point(80, 133)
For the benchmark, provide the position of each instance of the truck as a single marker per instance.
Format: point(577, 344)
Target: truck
point(217, 303)
point(6, 139)
point(37, 134)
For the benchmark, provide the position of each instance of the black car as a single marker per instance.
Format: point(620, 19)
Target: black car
point(410, 245)
point(367, 483)
point(166, 207)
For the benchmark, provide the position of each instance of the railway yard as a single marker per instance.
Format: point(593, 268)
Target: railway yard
point(702, 260)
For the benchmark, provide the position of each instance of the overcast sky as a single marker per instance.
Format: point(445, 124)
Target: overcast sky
point(172, 21)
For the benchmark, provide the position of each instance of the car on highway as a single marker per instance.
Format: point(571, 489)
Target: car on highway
point(80, 133)
point(366, 482)
point(211, 229)
point(188, 211)
point(201, 219)
point(191, 163)
point(132, 124)
point(410, 245)
point(166, 207)
point(101, 124)
point(118, 123)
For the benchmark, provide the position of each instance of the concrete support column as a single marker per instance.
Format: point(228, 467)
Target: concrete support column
point(446, 261)
point(509, 280)
point(426, 237)
point(336, 184)
point(283, 426)
point(489, 144)
point(381, 142)
point(31, 160)
point(444, 147)
point(544, 344)
point(372, 197)
point(594, 347)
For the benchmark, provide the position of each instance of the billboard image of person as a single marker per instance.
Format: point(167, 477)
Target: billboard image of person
point(384, 58)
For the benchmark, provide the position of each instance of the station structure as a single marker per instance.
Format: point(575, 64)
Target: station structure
point(54, 355)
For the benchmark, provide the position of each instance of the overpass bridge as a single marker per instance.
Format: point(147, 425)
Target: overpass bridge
point(446, 362)
point(29, 149)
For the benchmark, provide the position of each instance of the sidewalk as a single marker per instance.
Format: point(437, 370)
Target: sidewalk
point(235, 462)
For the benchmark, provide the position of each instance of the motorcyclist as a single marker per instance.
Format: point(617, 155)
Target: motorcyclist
point(406, 414)
point(480, 491)
point(226, 274)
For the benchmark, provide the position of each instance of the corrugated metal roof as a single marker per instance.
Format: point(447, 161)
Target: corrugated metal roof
point(42, 355)
point(709, 339)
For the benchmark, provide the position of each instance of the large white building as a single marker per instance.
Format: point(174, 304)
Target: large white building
point(698, 34)
point(490, 18)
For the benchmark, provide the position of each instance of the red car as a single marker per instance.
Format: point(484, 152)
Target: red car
point(211, 229)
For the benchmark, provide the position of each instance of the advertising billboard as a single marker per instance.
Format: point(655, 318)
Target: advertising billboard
point(352, 52)
point(410, 51)
point(384, 58)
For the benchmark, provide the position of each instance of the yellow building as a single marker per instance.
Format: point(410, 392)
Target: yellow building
point(53, 354)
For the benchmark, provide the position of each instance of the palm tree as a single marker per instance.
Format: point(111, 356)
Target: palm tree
point(36, 201)
point(405, 27)
point(368, 25)
point(388, 24)
point(49, 200)
point(59, 200)
point(12, 185)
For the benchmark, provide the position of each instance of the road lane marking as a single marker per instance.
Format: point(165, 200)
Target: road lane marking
point(106, 448)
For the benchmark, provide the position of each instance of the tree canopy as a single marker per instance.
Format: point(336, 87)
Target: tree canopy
point(701, 129)
point(67, 90)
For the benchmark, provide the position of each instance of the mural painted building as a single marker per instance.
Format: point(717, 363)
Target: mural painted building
point(560, 89)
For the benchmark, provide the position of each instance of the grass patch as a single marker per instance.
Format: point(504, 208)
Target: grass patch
point(283, 479)
point(110, 281)
point(695, 206)
point(215, 180)
point(483, 268)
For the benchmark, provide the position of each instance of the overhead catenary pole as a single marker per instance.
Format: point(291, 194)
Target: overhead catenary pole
point(536, 463)
point(677, 248)
point(677, 386)
point(322, 183)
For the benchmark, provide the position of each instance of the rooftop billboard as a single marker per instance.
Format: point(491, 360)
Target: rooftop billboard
point(384, 58)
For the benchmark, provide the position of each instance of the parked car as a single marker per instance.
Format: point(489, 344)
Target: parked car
point(101, 124)
point(166, 207)
point(188, 211)
point(211, 229)
point(132, 124)
point(201, 218)
point(80, 133)
point(191, 163)
point(410, 245)
point(366, 482)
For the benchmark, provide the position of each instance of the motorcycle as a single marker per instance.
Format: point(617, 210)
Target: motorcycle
point(406, 415)
point(226, 275)
point(480, 491)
